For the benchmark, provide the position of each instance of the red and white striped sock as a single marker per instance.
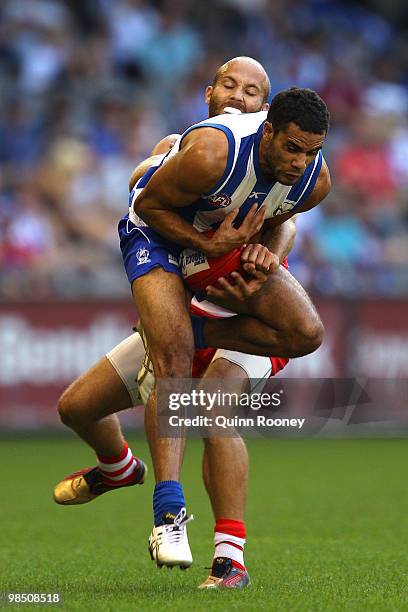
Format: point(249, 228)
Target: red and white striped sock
point(118, 470)
point(229, 540)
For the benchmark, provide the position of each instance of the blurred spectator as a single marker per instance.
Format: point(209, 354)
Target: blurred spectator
point(363, 164)
point(173, 51)
point(20, 136)
point(132, 24)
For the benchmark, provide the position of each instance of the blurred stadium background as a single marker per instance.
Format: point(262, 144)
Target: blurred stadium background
point(88, 87)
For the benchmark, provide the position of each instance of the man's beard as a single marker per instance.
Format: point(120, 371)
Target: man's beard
point(214, 108)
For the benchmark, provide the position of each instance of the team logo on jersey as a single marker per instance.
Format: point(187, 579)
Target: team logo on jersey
point(173, 259)
point(256, 194)
point(283, 208)
point(192, 262)
point(221, 200)
point(142, 256)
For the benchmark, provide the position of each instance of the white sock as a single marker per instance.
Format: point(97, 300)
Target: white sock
point(229, 546)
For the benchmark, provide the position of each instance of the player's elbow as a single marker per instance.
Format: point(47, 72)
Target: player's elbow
point(133, 180)
point(165, 144)
point(140, 206)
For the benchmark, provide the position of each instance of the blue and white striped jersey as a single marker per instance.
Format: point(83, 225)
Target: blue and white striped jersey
point(242, 184)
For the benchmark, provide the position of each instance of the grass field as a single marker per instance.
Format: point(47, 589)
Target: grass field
point(327, 530)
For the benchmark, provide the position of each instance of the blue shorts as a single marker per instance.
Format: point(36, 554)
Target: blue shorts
point(144, 249)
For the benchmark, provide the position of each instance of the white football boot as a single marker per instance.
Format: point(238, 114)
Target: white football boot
point(168, 544)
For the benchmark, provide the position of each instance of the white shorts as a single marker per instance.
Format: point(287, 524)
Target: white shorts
point(129, 360)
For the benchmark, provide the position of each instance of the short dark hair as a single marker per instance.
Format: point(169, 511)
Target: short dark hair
point(301, 106)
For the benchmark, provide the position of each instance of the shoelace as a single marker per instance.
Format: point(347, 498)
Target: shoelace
point(174, 536)
point(182, 519)
point(176, 531)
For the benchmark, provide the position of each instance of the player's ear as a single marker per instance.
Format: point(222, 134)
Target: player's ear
point(265, 106)
point(267, 129)
point(208, 92)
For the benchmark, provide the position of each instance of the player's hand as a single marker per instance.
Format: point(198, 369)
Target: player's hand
point(238, 288)
point(228, 237)
point(258, 257)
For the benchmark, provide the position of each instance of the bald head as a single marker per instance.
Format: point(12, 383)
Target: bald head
point(248, 66)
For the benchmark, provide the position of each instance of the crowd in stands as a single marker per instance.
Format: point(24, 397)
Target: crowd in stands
point(89, 86)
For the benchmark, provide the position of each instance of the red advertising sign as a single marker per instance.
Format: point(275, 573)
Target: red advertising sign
point(44, 347)
point(379, 344)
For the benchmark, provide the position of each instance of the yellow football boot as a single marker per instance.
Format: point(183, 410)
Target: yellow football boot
point(85, 485)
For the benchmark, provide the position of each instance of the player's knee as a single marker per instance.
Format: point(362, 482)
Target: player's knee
point(173, 362)
point(68, 409)
point(309, 336)
point(64, 409)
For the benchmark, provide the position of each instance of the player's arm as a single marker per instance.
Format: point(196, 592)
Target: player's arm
point(141, 169)
point(194, 170)
point(259, 260)
point(163, 146)
point(280, 240)
point(279, 236)
point(271, 248)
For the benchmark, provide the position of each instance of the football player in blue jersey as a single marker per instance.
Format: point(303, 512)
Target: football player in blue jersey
point(283, 149)
point(242, 84)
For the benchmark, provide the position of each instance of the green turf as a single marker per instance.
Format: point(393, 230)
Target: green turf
point(327, 530)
